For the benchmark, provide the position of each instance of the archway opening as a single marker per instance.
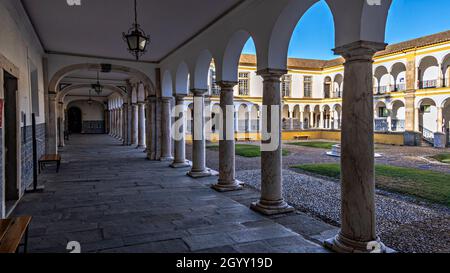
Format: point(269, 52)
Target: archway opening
point(75, 120)
point(11, 140)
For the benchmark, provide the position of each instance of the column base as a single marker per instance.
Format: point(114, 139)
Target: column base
point(271, 207)
point(199, 174)
point(179, 165)
point(223, 186)
point(165, 158)
point(341, 244)
point(440, 140)
point(141, 147)
point(412, 138)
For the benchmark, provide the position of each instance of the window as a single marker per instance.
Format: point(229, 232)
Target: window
point(383, 112)
point(286, 81)
point(244, 84)
point(34, 90)
point(215, 90)
point(425, 109)
point(327, 88)
point(307, 86)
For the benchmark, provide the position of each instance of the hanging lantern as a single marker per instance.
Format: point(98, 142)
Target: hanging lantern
point(136, 38)
point(98, 88)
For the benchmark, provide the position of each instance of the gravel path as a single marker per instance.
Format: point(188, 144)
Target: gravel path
point(403, 226)
point(402, 223)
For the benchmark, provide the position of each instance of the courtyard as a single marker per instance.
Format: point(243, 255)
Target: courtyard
point(406, 223)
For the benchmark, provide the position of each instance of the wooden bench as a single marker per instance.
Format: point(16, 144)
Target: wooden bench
point(45, 159)
point(301, 137)
point(12, 233)
point(247, 139)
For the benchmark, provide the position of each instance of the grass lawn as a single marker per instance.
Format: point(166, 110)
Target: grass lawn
point(246, 150)
point(429, 185)
point(314, 144)
point(444, 158)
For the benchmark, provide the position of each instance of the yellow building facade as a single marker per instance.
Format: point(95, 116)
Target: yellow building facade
point(411, 95)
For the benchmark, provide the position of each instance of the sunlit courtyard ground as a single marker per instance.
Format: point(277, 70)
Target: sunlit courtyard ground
point(413, 188)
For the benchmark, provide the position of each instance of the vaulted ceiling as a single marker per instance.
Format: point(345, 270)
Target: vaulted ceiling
point(95, 28)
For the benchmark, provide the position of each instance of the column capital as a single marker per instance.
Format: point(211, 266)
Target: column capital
point(166, 99)
point(180, 96)
point(226, 85)
point(271, 74)
point(199, 92)
point(360, 50)
point(151, 98)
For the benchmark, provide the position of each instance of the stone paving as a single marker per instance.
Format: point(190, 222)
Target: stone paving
point(110, 199)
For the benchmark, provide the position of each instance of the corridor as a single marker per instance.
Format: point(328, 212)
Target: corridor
point(109, 198)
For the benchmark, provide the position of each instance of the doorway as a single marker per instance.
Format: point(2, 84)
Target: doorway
point(75, 120)
point(11, 142)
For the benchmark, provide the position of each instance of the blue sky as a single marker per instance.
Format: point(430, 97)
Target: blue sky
point(408, 19)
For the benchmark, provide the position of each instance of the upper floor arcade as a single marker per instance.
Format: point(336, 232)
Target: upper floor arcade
point(418, 64)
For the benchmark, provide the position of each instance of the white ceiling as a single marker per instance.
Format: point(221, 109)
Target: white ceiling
point(95, 28)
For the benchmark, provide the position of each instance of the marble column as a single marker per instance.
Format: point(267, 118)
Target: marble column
point(120, 121)
point(109, 122)
point(417, 119)
point(302, 126)
point(166, 123)
point(180, 142)
point(128, 122)
point(439, 120)
point(113, 122)
point(199, 142)
point(116, 123)
point(291, 120)
point(61, 125)
point(227, 170)
point(125, 124)
point(358, 224)
point(236, 122)
point(271, 201)
point(141, 125)
point(311, 120)
point(322, 121)
point(151, 127)
point(52, 134)
point(389, 119)
point(134, 124)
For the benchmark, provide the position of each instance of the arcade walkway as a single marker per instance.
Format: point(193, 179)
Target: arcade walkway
point(110, 199)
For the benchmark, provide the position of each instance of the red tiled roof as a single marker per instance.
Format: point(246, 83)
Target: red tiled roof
point(297, 63)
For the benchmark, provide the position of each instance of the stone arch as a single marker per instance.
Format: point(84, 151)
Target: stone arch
point(398, 115)
point(243, 117)
point(383, 79)
point(199, 80)
point(428, 114)
point(216, 112)
point(232, 54)
point(327, 85)
point(398, 72)
point(358, 20)
point(167, 84)
point(182, 79)
point(338, 83)
point(254, 118)
point(63, 72)
point(63, 93)
point(282, 32)
point(428, 72)
point(445, 65)
point(426, 100)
